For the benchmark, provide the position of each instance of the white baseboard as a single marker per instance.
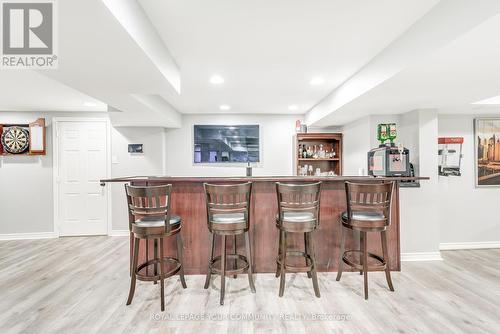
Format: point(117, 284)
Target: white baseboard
point(119, 233)
point(28, 236)
point(421, 256)
point(469, 245)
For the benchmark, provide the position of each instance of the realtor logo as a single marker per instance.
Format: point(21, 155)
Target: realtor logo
point(28, 34)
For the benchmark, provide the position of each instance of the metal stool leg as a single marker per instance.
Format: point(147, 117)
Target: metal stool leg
point(135, 259)
point(341, 253)
point(180, 255)
point(283, 260)
point(223, 270)
point(385, 253)
point(209, 272)
point(313, 270)
point(250, 263)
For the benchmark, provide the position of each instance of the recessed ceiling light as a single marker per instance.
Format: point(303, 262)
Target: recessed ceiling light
point(293, 107)
point(224, 107)
point(316, 81)
point(90, 104)
point(216, 79)
point(491, 100)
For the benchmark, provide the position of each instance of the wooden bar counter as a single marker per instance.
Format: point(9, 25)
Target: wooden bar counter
point(188, 201)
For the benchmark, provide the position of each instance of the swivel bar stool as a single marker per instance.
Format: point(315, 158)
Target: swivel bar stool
point(298, 212)
point(150, 218)
point(368, 210)
point(228, 214)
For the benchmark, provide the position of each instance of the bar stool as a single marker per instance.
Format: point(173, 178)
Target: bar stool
point(228, 214)
point(298, 206)
point(368, 210)
point(150, 218)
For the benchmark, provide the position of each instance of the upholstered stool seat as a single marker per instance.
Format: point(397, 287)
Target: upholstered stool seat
point(156, 221)
point(365, 216)
point(291, 216)
point(228, 218)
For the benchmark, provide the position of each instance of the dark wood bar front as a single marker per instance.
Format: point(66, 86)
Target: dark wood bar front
point(188, 201)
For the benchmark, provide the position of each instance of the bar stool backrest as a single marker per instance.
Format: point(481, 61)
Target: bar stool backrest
point(375, 198)
point(299, 198)
point(227, 199)
point(149, 202)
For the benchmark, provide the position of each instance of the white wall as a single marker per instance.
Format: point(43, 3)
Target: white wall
point(277, 151)
point(26, 196)
point(356, 143)
point(467, 213)
point(151, 162)
point(28, 179)
point(419, 206)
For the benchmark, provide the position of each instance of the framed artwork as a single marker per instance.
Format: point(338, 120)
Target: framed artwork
point(487, 144)
point(135, 148)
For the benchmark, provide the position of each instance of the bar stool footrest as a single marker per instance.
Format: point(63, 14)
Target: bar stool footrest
point(150, 265)
point(293, 268)
point(240, 270)
point(374, 267)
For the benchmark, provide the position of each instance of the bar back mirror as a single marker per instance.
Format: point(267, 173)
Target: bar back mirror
point(226, 143)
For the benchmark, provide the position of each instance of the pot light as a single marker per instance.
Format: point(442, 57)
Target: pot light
point(224, 107)
point(293, 107)
point(216, 80)
point(316, 81)
point(90, 104)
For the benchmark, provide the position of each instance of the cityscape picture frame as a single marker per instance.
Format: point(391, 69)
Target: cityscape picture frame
point(487, 152)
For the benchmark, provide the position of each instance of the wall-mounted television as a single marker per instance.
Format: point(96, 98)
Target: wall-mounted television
point(226, 143)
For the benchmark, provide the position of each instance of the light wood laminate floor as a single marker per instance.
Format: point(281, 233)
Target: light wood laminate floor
point(80, 285)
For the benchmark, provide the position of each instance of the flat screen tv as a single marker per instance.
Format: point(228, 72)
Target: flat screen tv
point(226, 143)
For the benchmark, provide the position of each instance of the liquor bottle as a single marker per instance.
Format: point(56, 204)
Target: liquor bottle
point(298, 126)
point(392, 133)
point(382, 133)
point(321, 153)
point(300, 151)
point(304, 151)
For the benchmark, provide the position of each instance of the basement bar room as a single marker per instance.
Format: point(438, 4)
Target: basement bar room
point(233, 166)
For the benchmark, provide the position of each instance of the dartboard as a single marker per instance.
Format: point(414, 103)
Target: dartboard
point(15, 139)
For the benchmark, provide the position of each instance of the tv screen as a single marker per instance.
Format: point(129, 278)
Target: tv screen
point(226, 143)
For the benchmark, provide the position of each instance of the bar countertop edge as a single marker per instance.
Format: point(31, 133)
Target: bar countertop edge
point(259, 179)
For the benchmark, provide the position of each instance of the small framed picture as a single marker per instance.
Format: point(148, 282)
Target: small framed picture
point(135, 148)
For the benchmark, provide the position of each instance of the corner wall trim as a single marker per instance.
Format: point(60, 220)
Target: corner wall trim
point(421, 256)
point(469, 245)
point(119, 233)
point(29, 236)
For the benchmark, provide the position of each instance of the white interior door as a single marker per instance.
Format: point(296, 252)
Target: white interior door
point(81, 162)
